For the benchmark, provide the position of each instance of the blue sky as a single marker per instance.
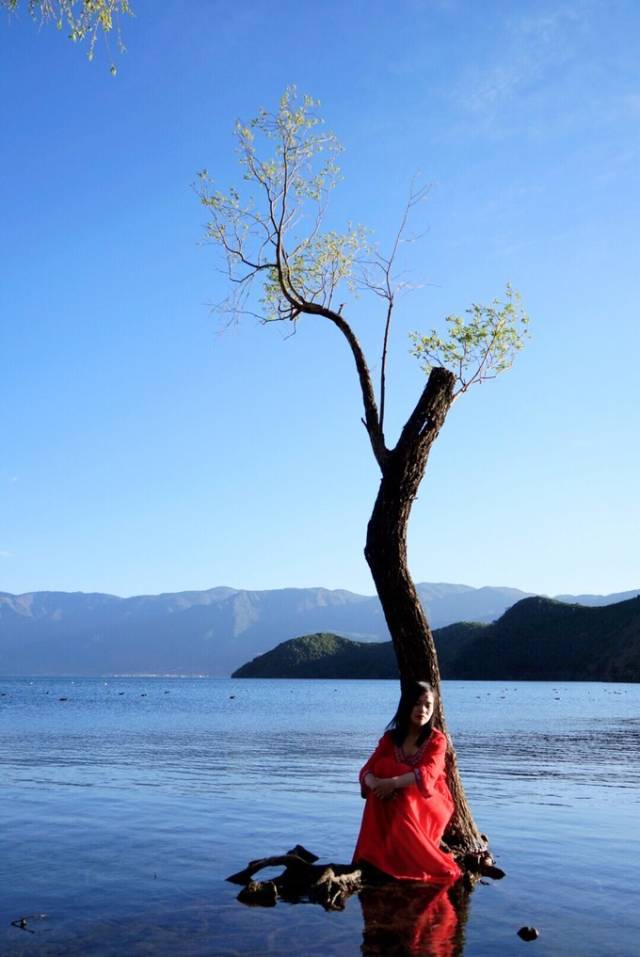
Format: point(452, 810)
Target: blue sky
point(145, 450)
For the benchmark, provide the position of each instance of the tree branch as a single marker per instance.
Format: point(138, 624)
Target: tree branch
point(383, 363)
point(371, 420)
point(429, 413)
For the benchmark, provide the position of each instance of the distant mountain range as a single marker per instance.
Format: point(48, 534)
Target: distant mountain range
point(209, 632)
point(537, 639)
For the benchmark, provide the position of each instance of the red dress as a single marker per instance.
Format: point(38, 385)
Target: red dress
point(401, 836)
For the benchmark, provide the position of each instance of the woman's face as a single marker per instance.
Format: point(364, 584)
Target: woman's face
point(422, 709)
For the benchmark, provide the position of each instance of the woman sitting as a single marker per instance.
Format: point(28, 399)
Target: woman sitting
point(408, 801)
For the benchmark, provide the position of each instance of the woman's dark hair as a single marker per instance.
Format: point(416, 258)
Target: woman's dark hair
point(399, 724)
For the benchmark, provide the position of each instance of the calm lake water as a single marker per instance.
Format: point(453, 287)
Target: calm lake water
point(125, 806)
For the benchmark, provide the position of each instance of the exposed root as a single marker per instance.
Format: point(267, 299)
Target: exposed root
point(330, 885)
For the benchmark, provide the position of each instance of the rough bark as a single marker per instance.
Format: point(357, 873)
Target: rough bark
point(386, 554)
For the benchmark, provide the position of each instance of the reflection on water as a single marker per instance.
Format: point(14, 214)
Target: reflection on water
point(124, 807)
point(413, 921)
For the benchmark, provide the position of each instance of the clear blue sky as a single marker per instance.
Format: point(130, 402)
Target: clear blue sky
point(142, 451)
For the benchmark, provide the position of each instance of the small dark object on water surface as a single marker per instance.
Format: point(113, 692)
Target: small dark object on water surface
point(528, 933)
point(232, 696)
point(63, 699)
point(22, 923)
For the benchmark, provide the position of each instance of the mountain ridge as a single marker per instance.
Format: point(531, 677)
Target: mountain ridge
point(212, 631)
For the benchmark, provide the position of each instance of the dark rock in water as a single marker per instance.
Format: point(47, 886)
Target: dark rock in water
point(528, 933)
point(259, 894)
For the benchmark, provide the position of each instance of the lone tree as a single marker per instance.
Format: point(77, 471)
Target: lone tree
point(282, 265)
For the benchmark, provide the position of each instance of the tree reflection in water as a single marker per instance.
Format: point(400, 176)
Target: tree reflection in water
point(413, 920)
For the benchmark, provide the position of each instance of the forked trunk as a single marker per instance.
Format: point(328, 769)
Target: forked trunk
point(386, 554)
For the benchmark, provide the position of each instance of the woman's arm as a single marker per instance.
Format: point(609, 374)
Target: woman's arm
point(432, 764)
point(385, 787)
point(366, 775)
point(424, 776)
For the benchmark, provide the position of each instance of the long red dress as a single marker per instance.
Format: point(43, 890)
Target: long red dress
point(401, 835)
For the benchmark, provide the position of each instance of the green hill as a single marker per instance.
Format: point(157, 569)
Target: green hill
point(537, 639)
point(543, 639)
point(326, 655)
point(323, 656)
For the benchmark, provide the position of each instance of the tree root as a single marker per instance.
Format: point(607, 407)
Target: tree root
point(302, 879)
point(330, 885)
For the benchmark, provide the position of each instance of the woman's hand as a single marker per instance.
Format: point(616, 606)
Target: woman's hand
point(384, 788)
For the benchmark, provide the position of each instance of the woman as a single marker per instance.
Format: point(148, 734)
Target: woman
point(408, 801)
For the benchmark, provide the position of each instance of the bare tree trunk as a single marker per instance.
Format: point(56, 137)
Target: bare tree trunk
point(386, 554)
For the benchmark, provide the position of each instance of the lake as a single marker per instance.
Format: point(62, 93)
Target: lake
point(125, 806)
